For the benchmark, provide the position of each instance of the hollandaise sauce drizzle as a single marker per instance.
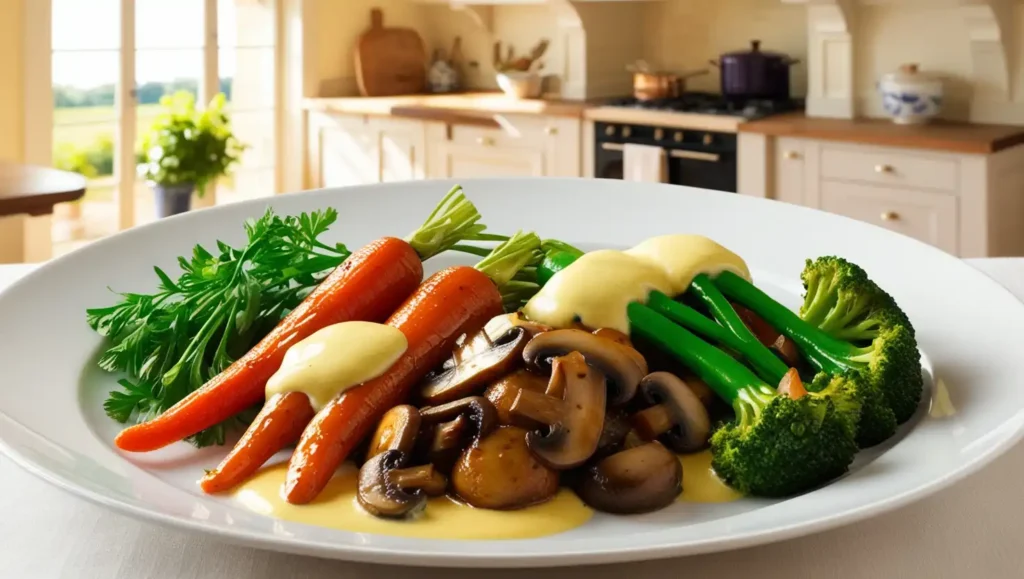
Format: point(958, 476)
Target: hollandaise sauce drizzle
point(596, 289)
point(336, 358)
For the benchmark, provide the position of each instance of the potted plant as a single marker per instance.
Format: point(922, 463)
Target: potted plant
point(185, 150)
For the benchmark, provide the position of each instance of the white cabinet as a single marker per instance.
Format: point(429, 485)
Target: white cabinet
point(966, 204)
point(344, 150)
point(350, 149)
point(522, 146)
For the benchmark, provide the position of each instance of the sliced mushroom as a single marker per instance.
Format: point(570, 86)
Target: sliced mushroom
point(637, 480)
point(576, 421)
point(622, 366)
point(397, 430)
point(613, 335)
point(500, 324)
point(481, 358)
point(387, 489)
point(678, 418)
point(503, 393)
point(613, 434)
point(500, 472)
point(451, 427)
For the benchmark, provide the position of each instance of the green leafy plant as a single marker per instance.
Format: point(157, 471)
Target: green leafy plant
point(189, 146)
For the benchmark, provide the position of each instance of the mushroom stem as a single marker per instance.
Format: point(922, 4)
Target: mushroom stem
point(536, 406)
point(415, 477)
point(632, 440)
point(653, 422)
point(448, 435)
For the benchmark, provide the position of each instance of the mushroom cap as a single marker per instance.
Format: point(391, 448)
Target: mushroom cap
point(636, 480)
point(689, 415)
point(500, 472)
point(480, 359)
point(379, 496)
point(396, 430)
point(573, 439)
point(622, 366)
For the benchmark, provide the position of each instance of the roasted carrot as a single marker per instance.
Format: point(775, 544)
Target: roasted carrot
point(368, 286)
point(452, 302)
point(278, 424)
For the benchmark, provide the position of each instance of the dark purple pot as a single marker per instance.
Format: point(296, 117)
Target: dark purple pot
point(755, 74)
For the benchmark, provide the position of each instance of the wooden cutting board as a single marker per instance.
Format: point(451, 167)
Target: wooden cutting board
point(390, 61)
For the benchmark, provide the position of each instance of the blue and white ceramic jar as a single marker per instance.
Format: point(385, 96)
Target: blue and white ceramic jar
point(910, 96)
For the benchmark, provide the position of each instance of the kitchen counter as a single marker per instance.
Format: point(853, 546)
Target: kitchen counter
point(442, 107)
point(664, 119)
point(944, 136)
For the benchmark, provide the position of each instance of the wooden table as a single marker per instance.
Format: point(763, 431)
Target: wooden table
point(27, 197)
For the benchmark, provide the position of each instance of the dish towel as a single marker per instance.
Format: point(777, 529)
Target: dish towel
point(644, 163)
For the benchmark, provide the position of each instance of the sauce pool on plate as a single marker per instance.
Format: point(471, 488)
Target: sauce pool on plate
point(445, 518)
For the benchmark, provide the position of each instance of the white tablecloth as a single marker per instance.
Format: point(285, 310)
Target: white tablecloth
point(974, 529)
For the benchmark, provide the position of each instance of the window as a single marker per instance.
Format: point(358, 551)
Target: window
point(157, 47)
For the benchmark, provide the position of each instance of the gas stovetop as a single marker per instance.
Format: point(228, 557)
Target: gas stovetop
point(703, 103)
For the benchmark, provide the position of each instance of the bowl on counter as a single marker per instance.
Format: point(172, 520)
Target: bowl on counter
point(520, 85)
point(910, 96)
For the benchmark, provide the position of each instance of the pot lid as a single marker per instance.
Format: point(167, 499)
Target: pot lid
point(909, 74)
point(755, 48)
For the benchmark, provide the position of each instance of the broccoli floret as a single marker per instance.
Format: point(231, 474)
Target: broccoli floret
point(776, 446)
point(848, 324)
point(843, 302)
point(849, 390)
point(779, 446)
point(841, 299)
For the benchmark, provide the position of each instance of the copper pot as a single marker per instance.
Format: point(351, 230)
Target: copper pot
point(658, 85)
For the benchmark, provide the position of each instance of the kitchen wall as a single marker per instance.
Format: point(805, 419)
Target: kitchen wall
point(934, 37)
point(683, 35)
point(11, 71)
point(520, 26)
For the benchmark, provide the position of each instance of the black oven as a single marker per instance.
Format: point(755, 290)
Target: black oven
point(695, 158)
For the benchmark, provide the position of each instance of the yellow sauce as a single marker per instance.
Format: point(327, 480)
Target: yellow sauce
point(597, 288)
point(701, 484)
point(444, 518)
point(337, 358)
point(941, 405)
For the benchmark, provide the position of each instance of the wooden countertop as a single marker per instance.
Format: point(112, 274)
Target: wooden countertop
point(945, 136)
point(481, 103)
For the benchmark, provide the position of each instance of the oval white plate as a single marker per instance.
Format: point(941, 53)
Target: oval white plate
point(969, 329)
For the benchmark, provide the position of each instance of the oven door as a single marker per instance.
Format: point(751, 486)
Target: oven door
point(712, 167)
point(706, 170)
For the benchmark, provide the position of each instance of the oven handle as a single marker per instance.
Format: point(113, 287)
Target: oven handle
point(676, 153)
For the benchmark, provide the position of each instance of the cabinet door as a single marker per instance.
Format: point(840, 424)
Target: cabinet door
point(342, 151)
point(926, 216)
point(790, 166)
point(464, 162)
point(401, 147)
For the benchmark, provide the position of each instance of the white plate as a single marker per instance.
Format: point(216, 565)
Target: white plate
point(969, 329)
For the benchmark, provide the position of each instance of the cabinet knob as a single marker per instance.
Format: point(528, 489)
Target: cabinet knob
point(890, 216)
point(485, 141)
point(883, 169)
point(626, 132)
point(551, 131)
point(792, 155)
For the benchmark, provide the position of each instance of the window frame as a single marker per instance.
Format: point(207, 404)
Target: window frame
point(38, 93)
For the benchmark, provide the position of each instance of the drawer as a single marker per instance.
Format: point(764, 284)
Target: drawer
point(526, 132)
point(890, 168)
point(929, 217)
